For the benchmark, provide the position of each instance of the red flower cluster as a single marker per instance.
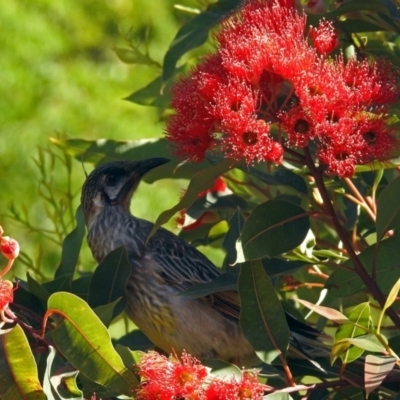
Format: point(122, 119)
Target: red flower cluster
point(10, 250)
point(185, 378)
point(272, 84)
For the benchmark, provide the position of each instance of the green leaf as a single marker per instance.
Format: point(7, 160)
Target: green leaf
point(59, 380)
point(37, 289)
point(137, 340)
point(200, 182)
point(283, 177)
point(72, 246)
point(236, 223)
point(359, 315)
point(273, 228)
point(222, 369)
point(153, 94)
point(262, 317)
point(392, 297)
point(85, 342)
point(132, 55)
point(60, 284)
point(275, 266)
point(388, 212)
point(346, 282)
point(107, 312)
point(128, 356)
point(109, 280)
point(18, 371)
point(375, 371)
point(368, 342)
point(195, 32)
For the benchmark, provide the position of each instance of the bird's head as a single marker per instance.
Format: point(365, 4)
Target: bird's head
point(113, 184)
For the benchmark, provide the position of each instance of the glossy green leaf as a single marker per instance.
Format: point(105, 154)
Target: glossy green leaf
point(376, 370)
point(137, 340)
point(275, 266)
point(284, 177)
point(359, 315)
point(107, 313)
point(392, 297)
point(236, 223)
point(128, 356)
point(195, 32)
point(60, 284)
point(37, 289)
point(18, 371)
point(72, 246)
point(200, 182)
point(59, 382)
point(346, 282)
point(222, 369)
point(80, 286)
point(262, 317)
point(368, 342)
point(388, 211)
point(86, 344)
point(109, 280)
point(273, 228)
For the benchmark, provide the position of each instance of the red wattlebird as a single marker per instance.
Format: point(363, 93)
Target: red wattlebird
point(162, 268)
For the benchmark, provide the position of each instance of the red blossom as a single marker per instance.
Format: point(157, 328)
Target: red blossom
point(6, 294)
point(265, 73)
point(168, 378)
point(247, 388)
point(324, 37)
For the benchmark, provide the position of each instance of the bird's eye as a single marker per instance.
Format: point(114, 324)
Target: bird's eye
point(111, 180)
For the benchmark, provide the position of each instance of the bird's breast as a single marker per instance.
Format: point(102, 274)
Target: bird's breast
point(112, 229)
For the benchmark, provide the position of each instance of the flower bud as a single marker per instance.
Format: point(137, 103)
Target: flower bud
point(9, 248)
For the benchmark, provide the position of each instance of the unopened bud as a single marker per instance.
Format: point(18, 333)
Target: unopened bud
point(9, 248)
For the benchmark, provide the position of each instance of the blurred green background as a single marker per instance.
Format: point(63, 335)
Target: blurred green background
point(61, 77)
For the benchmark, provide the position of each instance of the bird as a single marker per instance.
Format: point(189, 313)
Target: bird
point(163, 267)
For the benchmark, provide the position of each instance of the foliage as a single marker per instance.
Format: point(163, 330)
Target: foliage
point(324, 248)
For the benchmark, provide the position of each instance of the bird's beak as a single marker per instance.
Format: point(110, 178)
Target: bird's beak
point(136, 170)
point(139, 168)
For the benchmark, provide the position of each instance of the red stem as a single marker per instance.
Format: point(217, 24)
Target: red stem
point(358, 266)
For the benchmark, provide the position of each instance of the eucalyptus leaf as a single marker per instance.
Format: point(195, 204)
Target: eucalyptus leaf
point(85, 342)
point(72, 246)
point(262, 317)
point(195, 32)
point(18, 371)
point(59, 382)
point(273, 228)
point(388, 211)
point(109, 280)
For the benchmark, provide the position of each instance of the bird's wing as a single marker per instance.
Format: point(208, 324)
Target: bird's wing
point(183, 266)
